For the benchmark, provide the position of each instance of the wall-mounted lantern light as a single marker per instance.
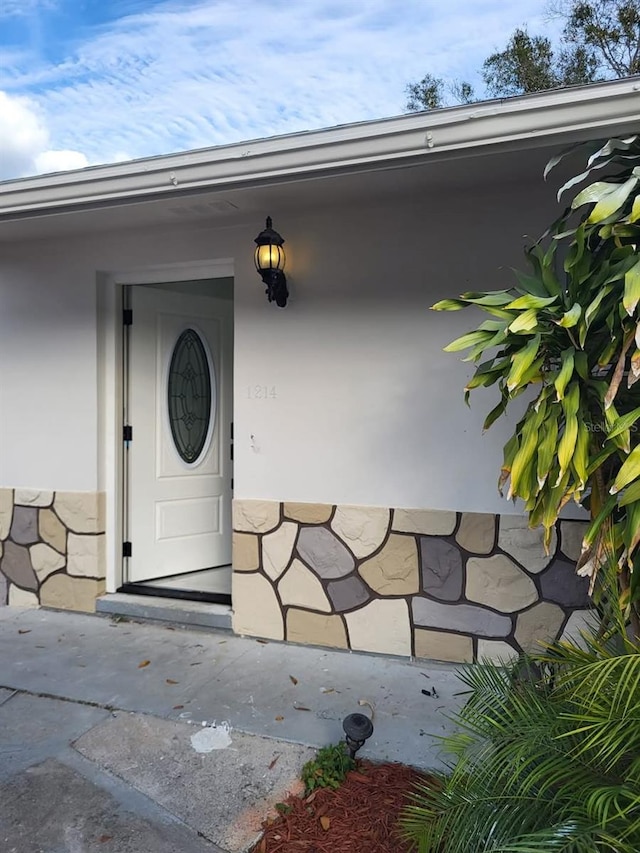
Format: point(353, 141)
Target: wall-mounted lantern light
point(358, 728)
point(270, 260)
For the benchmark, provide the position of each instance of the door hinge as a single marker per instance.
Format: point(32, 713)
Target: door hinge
point(126, 549)
point(127, 433)
point(127, 317)
point(232, 484)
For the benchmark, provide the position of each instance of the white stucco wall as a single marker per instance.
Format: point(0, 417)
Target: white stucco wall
point(367, 408)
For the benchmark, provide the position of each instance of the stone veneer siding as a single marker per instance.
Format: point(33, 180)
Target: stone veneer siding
point(430, 584)
point(51, 548)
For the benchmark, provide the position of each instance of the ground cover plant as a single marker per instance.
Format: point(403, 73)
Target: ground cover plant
point(542, 764)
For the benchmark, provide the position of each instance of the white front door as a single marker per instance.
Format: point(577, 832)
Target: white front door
point(180, 411)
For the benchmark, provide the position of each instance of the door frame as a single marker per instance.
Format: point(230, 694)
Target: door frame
point(111, 388)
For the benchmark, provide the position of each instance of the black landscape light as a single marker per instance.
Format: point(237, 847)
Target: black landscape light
point(270, 260)
point(358, 728)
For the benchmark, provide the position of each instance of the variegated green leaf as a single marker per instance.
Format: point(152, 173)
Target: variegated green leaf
point(571, 317)
point(497, 298)
point(471, 339)
point(566, 372)
point(547, 446)
point(567, 445)
point(634, 216)
point(608, 198)
point(630, 495)
point(449, 305)
point(629, 471)
point(631, 534)
point(581, 454)
point(632, 289)
point(494, 414)
point(594, 527)
point(622, 423)
point(593, 193)
point(522, 361)
point(526, 322)
point(612, 202)
point(530, 301)
point(593, 306)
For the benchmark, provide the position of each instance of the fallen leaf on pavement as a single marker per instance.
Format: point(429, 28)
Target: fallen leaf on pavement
point(327, 689)
point(24, 630)
point(143, 664)
point(177, 707)
point(274, 762)
point(263, 642)
point(294, 680)
point(197, 663)
point(300, 708)
point(104, 838)
point(171, 681)
point(279, 719)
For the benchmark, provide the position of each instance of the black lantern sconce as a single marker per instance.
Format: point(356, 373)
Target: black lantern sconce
point(358, 728)
point(270, 260)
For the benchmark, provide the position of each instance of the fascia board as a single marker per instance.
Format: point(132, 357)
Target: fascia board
point(528, 121)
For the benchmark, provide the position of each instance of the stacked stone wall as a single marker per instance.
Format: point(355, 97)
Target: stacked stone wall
point(432, 584)
point(51, 548)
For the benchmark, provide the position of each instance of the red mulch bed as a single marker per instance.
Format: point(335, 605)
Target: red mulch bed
point(360, 817)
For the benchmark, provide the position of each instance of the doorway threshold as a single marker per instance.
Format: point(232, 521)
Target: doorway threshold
point(198, 614)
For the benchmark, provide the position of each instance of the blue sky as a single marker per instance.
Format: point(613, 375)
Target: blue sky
point(88, 81)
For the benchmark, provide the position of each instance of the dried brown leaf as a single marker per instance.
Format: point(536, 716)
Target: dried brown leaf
point(325, 822)
point(171, 681)
point(177, 707)
point(293, 679)
point(143, 663)
point(279, 719)
point(300, 708)
point(24, 630)
point(274, 762)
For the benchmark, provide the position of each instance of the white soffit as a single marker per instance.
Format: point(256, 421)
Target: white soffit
point(556, 117)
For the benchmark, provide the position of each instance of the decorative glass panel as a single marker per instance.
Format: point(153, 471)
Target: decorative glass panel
point(189, 395)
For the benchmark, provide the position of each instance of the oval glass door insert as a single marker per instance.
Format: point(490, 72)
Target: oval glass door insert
point(190, 396)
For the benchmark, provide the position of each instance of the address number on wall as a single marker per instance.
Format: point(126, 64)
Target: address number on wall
point(261, 392)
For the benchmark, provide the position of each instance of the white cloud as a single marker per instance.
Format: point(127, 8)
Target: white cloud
point(180, 76)
point(24, 142)
point(59, 161)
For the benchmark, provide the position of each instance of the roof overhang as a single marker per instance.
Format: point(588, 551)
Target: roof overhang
point(550, 118)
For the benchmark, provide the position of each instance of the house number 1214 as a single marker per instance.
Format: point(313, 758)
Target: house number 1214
point(261, 392)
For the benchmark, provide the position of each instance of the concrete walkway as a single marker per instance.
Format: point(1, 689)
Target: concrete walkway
point(104, 725)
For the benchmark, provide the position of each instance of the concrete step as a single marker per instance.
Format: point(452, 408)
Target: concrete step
point(199, 614)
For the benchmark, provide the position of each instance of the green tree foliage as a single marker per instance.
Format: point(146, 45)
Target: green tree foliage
point(431, 92)
point(600, 40)
point(568, 333)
